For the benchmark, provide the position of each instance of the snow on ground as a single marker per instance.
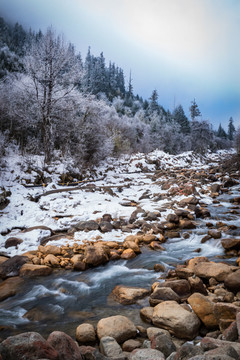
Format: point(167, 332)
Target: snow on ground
point(90, 201)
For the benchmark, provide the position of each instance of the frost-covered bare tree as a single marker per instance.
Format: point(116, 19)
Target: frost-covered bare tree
point(53, 71)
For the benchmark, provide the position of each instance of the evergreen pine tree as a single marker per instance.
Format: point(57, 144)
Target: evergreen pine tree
point(231, 129)
point(194, 110)
point(221, 132)
point(180, 117)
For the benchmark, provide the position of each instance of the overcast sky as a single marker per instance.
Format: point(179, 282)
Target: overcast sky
point(184, 49)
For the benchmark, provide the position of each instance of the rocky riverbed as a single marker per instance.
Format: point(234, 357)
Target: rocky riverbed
point(167, 231)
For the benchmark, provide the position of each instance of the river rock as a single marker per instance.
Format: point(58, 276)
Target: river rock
point(12, 242)
point(215, 234)
point(127, 295)
point(10, 287)
point(146, 313)
point(149, 354)
point(128, 254)
point(12, 266)
point(231, 243)
point(65, 345)
point(232, 281)
point(31, 270)
point(105, 226)
point(163, 343)
point(131, 245)
point(110, 348)
point(203, 308)
point(161, 294)
point(197, 285)
point(95, 255)
point(231, 333)
point(85, 334)
point(196, 260)
point(119, 327)
point(225, 311)
point(86, 225)
point(51, 260)
point(131, 345)
point(188, 351)
point(50, 249)
point(28, 345)
point(180, 287)
point(173, 317)
point(208, 343)
point(78, 263)
point(209, 270)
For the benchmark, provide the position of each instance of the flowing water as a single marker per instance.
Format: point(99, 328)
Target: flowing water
point(66, 299)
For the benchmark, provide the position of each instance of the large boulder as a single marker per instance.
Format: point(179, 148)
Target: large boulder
point(87, 225)
point(127, 295)
point(119, 327)
point(30, 270)
point(203, 308)
point(65, 345)
point(232, 281)
point(208, 270)
point(173, 317)
point(231, 243)
point(95, 255)
point(29, 345)
point(10, 287)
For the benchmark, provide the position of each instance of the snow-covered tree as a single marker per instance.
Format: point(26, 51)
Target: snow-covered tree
point(194, 110)
point(53, 71)
point(180, 117)
point(221, 132)
point(231, 129)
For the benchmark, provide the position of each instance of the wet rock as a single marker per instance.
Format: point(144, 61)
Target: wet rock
point(31, 270)
point(119, 327)
point(65, 345)
point(143, 354)
point(161, 294)
point(131, 345)
point(12, 266)
point(78, 262)
point(154, 331)
point(29, 345)
point(146, 313)
point(3, 259)
point(173, 218)
point(231, 243)
point(85, 334)
point(180, 322)
point(95, 255)
point(215, 234)
point(110, 348)
point(163, 343)
point(187, 224)
point(183, 272)
point(232, 281)
point(128, 244)
point(12, 242)
point(10, 287)
point(127, 295)
point(203, 308)
point(209, 270)
point(159, 268)
point(194, 261)
point(128, 254)
point(215, 188)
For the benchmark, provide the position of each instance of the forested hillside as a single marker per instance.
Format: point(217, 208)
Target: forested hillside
point(51, 99)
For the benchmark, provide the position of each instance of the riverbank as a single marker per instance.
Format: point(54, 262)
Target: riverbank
point(162, 213)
